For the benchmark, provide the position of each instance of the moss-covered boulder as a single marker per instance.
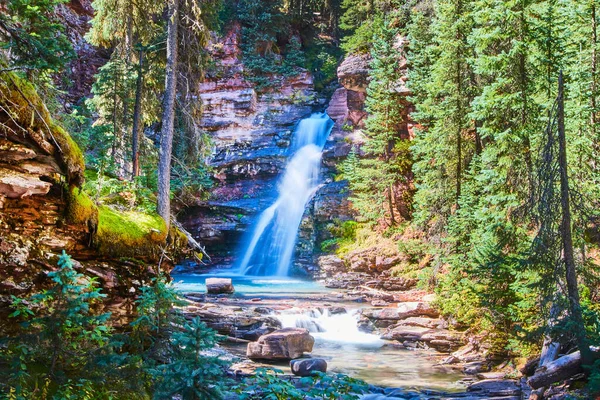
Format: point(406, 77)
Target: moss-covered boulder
point(129, 233)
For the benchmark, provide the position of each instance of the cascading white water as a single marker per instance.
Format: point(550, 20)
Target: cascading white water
point(270, 247)
point(339, 328)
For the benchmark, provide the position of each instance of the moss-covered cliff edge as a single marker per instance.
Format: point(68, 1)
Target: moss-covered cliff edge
point(44, 210)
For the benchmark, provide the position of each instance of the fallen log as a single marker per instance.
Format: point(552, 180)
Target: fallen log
point(192, 243)
point(558, 370)
point(562, 368)
point(549, 353)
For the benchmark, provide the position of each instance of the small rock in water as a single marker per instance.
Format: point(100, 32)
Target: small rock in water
point(379, 303)
point(255, 299)
point(308, 366)
point(334, 310)
point(219, 285)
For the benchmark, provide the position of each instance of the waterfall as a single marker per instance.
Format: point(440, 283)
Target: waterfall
point(270, 246)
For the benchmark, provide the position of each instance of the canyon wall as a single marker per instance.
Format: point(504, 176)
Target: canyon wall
point(251, 131)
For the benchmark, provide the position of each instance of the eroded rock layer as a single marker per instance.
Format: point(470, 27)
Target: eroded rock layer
point(252, 131)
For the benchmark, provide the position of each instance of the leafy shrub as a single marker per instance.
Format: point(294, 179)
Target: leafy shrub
point(64, 350)
point(268, 384)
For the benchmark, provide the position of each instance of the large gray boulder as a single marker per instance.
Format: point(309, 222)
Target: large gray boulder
point(283, 344)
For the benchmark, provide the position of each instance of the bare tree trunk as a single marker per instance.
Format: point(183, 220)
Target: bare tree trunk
point(567, 239)
point(391, 204)
point(556, 371)
point(114, 116)
point(137, 111)
point(478, 143)
point(459, 114)
point(168, 118)
point(594, 119)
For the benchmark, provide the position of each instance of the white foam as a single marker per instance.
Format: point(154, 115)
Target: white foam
point(338, 328)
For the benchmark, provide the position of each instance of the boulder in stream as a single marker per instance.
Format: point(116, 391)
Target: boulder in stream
point(219, 286)
point(283, 344)
point(308, 366)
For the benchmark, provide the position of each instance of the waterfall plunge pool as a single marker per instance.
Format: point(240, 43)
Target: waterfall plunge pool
point(253, 286)
point(303, 303)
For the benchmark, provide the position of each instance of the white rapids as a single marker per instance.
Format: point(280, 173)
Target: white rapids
point(339, 328)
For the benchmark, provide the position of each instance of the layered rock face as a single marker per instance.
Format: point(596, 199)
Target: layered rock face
point(75, 16)
point(35, 157)
point(251, 131)
point(43, 210)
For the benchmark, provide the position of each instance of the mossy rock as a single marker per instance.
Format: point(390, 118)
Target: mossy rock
point(80, 208)
point(30, 118)
point(129, 233)
point(70, 154)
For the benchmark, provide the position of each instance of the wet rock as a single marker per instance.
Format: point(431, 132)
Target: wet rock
point(476, 367)
point(219, 285)
point(442, 340)
point(283, 344)
point(379, 303)
point(255, 334)
point(386, 317)
point(335, 310)
point(413, 309)
point(491, 375)
point(402, 333)
point(240, 324)
point(425, 322)
point(308, 366)
point(495, 388)
point(365, 325)
point(263, 310)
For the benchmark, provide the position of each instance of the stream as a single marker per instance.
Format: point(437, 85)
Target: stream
point(347, 350)
point(260, 278)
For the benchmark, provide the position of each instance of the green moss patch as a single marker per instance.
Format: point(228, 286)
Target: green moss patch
point(70, 154)
point(80, 208)
point(29, 115)
point(129, 233)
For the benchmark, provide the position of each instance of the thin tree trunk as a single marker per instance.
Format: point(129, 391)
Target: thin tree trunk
point(125, 123)
point(114, 116)
point(168, 118)
point(136, 118)
point(459, 116)
point(391, 204)
point(478, 143)
point(567, 239)
point(594, 68)
point(458, 144)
